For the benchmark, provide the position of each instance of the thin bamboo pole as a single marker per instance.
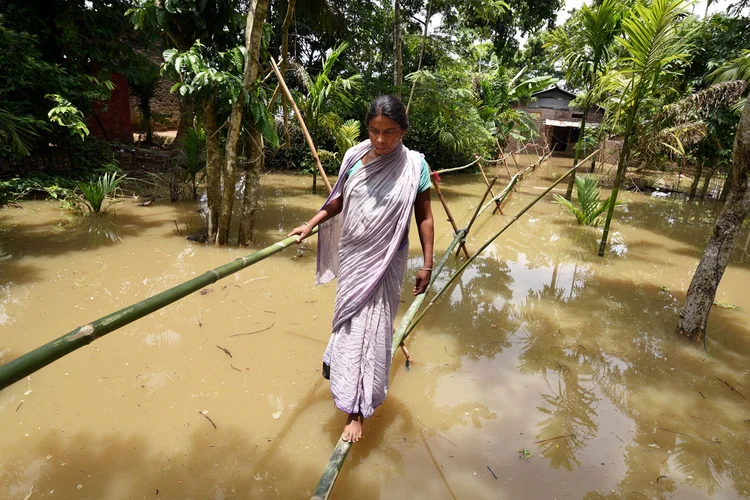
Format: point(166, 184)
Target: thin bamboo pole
point(331, 472)
point(483, 247)
point(40, 357)
point(477, 211)
point(455, 169)
point(448, 212)
point(309, 140)
point(512, 184)
point(481, 170)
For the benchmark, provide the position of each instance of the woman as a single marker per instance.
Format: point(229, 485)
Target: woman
point(367, 249)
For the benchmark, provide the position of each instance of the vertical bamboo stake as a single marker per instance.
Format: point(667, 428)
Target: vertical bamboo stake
point(448, 212)
point(479, 207)
point(489, 186)
point(289, 97)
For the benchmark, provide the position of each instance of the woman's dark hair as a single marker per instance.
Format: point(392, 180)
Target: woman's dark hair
point(391, 107)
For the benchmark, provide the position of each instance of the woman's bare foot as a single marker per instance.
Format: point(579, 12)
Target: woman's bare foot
point(353, 429)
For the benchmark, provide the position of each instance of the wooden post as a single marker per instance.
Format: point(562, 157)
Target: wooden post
point(489, 186)
point(314, 152)
point(448, 212)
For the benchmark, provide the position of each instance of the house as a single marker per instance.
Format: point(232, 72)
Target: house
point(556, 120)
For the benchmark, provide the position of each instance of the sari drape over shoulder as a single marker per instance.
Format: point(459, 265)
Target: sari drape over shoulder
point(363, 248)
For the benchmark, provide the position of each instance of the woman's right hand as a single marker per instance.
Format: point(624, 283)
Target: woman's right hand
point(302, 232)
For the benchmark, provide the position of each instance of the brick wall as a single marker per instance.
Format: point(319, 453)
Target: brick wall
point(164, 104)
point(111, 119)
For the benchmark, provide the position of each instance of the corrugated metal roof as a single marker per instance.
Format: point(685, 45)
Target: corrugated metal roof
point(567, 123)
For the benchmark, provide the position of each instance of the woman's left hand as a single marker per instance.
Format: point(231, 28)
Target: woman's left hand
point(423, 279)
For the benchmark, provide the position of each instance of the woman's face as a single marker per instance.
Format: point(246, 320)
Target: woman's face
point(385, 134)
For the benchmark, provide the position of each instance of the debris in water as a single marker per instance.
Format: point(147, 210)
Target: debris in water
point(727, 305)
point(19, 406)
point(206, 290)
point(225, 350)
point(250, 333)
point(205, 414)
point(525, 454)
point(552, 439)
point(277, 415)
point(492, 472)
point(235, 368)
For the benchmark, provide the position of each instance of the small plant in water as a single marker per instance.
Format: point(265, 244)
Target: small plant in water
point(592, 207)
point(95, 192)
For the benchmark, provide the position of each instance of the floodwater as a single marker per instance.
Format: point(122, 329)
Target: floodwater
point(545, 371)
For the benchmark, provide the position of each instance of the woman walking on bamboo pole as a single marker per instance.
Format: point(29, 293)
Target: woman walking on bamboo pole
point(367, 248)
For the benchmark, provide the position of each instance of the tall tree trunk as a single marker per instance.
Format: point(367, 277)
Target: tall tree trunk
point(621, 166)
point(697, 178)
point(702, 291)
point(284, 64)
point(707, 182)
point(253, 33)
point(256, 15)
point(256, 159)
point(397, 61)
point(213, 166)
point(580, 145)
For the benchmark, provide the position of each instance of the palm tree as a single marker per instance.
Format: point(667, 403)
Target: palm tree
point(585, 53)
point(324, 95)
point(653, 40)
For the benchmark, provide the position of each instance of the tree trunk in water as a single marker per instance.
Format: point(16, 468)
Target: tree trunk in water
point(256, 159)
point(579, 145)
point(707, 182)
point(726, 188)
point(621, 166)
point(702, 291)
point(187, 113)
point(697, 178)
point(284, 65)
point(213, 166)
point(397, 61)
point(256, 15)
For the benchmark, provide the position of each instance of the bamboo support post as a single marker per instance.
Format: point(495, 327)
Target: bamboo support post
point(40, 357)
point(479, 207)
point(453, 277)
point(333, 467)
point(489, 187)
point(448, 212)
point(455, 169)
point(309, 140)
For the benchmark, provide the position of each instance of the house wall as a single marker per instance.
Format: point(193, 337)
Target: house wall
point(111, 119)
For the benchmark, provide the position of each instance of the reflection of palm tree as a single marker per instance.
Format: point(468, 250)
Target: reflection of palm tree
point(571, 413)
point(704, 461)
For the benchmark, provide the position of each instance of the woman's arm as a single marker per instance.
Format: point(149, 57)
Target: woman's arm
point(426, 226)
point(329, 211)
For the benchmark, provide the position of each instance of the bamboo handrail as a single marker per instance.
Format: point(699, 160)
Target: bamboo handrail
point(331, 472)
point(302, 125)
point(25, 365)
point(486, 244)
point(454, 169)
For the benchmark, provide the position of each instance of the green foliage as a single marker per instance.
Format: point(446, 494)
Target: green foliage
point(95, 192)
point(591, 206)
point(192, 156)
point(16, 134)
point(67, 115)
point(143, 82)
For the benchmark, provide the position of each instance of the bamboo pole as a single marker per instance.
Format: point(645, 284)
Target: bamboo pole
point(309, 140)
point(333, 467)
point(489, 186)
point(40, 357)
point(448, 212)
point(512, 184)
point(479, 206)
point(454, 169)
point(483, 247)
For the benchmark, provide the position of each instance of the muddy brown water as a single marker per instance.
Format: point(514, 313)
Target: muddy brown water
point(559, 371)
